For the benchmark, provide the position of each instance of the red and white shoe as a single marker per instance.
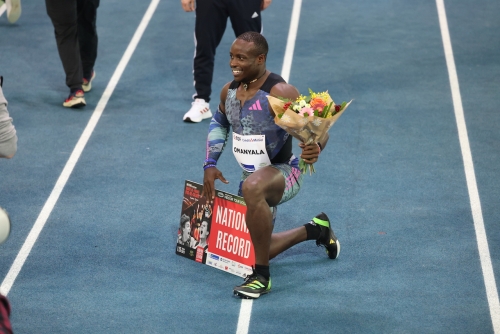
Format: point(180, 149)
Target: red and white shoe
point(75, 100)
point(200, 110)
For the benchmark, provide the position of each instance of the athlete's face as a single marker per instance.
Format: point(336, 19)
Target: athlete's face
point(244, 64)
point(203, 230)
point(186, 231)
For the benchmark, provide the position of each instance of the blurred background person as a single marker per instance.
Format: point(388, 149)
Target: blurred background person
point(210, 25)
point(75, 30)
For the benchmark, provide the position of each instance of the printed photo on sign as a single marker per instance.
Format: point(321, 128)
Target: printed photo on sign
point(194, 225)
point(215, 235)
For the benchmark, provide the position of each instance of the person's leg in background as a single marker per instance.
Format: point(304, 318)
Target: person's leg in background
point(63, 14)
point(88, 40)
point(245, 15)
point(211, 22)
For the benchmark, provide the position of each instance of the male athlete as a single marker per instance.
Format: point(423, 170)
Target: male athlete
point(271, 175)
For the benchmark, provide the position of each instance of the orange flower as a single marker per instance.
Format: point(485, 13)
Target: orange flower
point(317, 103)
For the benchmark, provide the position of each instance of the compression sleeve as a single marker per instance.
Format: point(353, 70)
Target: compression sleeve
point(218, 132)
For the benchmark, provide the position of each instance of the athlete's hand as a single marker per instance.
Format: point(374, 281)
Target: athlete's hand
point(211, 174)
point(310, 153)
point(188, 5)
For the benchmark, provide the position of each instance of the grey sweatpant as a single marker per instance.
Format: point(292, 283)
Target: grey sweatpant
point(8, 137)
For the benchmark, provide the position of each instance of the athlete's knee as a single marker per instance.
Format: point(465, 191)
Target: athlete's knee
point(253, 189)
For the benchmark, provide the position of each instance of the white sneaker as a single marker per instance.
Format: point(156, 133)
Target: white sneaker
point(199, 111)
point(87, 84)
point(13, 10)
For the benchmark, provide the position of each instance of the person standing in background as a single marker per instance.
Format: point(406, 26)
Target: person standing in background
point(75, 30)
point(211, 21)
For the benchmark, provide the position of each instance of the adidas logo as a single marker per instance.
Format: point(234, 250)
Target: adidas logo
point(254, 15)
point(255, 106)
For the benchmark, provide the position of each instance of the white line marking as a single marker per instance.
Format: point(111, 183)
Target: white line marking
point(477, 215)
point(75, 155)
point(246, 304)
point(244, 317)
point(3, 8)
point(290, 43)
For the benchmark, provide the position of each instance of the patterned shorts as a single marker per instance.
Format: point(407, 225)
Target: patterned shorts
point(293, 181)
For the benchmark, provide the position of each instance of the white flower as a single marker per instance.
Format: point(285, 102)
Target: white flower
point(317, 121)
point(286, 118)
point(302, 103)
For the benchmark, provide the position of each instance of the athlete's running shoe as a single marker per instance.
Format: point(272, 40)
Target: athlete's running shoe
point(75, 100)
point(327, 238)
point(254, 286)
point(200, 110)
point(87, 83)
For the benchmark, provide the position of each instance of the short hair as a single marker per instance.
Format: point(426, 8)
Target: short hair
point(208, 221)
point(184, 219)
point(259, 41)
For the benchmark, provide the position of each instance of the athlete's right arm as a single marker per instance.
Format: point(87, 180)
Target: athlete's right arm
point(217, 137)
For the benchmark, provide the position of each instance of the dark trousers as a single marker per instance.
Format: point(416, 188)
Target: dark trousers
point(76, 37)
point(211, 21)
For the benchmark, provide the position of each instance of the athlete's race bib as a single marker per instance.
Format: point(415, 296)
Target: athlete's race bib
point(250, 152)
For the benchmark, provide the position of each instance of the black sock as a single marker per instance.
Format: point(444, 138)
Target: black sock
point(313, 230)
point(262, 270)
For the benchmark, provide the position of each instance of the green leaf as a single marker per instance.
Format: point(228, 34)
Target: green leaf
point(327, 109)
point(304, 167)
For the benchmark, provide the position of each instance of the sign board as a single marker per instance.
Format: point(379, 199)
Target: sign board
point(215, 233)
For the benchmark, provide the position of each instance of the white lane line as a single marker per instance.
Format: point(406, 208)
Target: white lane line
point(244, 317)
point(75, 155)
point(475, 203)
point(290, 43)
point(246, 304)
point(3, 8)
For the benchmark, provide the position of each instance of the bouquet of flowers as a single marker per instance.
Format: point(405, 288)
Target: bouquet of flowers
point(308, 118)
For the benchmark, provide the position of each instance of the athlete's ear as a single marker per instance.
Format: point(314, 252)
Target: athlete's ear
point(261, 59)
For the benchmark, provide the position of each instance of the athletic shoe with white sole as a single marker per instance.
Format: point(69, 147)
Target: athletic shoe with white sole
point(255, 285)
point(75, 100)
point(200, 110)
point(87, 83)
point(327, 238)
point(13, 10)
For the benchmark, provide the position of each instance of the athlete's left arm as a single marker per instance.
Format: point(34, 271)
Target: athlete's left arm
point(310, 153)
